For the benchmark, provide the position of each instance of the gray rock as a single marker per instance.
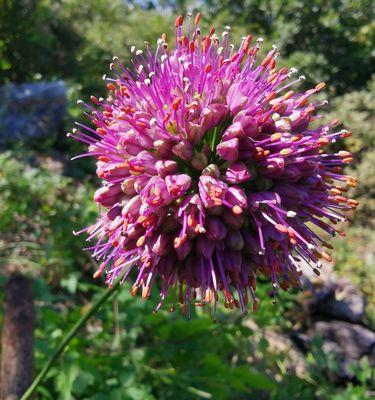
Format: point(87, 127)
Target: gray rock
point(347, 342)
point(31, 110)
point(337, 299)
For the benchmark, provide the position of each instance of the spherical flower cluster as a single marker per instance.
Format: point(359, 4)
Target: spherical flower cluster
point(213, 173)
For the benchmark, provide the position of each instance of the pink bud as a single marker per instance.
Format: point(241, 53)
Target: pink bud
point(234, 239)
point(236, 197)
point(228, 150)
point(178, 185)
point(165, 167)
point(161, 244)
point(211, 191)
point(132, 207)
point(127, 185)
point(163, 148)
point(234, 131)
point(237, 173)
point(183, 150)
point(204, 247)
point(108, 195)
point(272, 166)
point(216, 230)
point(194, 132)
point(183, 250)
point(212, 115)
point(212, 170)
point(249, 124)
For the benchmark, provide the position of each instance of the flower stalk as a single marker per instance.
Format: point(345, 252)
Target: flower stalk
point(71, 334)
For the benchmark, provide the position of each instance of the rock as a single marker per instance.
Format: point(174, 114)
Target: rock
point(31, 110)
point(335, 298)
point(348, 342)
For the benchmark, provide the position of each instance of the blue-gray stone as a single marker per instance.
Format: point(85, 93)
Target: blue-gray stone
point(31, 110)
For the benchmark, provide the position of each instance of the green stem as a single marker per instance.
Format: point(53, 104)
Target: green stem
point(73, 331)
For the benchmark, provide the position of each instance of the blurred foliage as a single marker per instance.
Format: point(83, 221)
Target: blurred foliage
point(39, 210)
point(126, 352)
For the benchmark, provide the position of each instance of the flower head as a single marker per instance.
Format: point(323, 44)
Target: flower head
point(212, 171)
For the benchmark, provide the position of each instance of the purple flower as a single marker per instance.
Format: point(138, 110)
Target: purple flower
point(212, 173)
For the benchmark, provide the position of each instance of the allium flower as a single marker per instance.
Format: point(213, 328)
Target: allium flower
point(213, 174)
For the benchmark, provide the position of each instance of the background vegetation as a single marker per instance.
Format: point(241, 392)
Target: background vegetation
point(127, 352)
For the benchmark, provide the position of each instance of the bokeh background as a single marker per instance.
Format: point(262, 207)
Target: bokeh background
point(316, 344)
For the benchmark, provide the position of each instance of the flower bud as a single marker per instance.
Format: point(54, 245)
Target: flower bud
point(108, 195)
point(228, 150)
point(237, 173)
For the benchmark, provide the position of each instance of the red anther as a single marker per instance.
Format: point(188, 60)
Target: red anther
point(346, 134)
point(326, 256)
point(197, 18)
point(272, 77)
point(270, 96)
point(212, 31)
point(320, 86)
point(134, 290)
point(344, 154)
point(328, 245)
point(341, 199)
point(176, 103)
point(179, 21)
point(141, 125)
point(266, 61)
point(207, 68)
point(281, 228)
point(234, 57)
point(337, 169)
point(322, 142)
point(185, 41)
point(272, 63)
point(336, 192)
point(94, 100)
point(192, 47)
point(310, 109)
point(259, 153)
point(335, 122)
point(347, 160)
point(206, 44)
point(279, 106)
point(246, 44)
point(111, 87)
point(353, 202)
point(283, 71)
point(302, 102)
point(104, 159)
point(288, 95)
point(101, 131)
